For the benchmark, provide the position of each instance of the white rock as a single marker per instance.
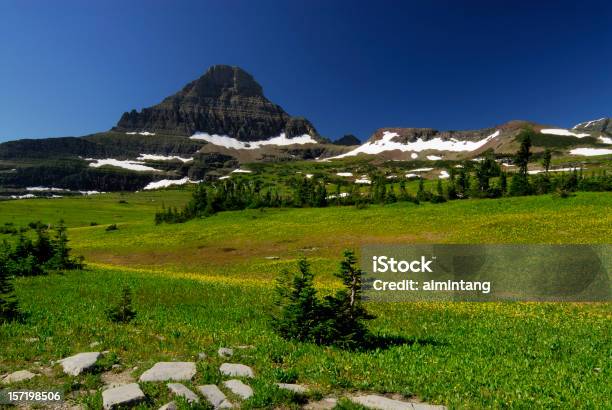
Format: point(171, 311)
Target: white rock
point(239, 388)
point(179, 389)
point(127, 394)
point(225, 352)
point(374, 401)
point(169, 406)
point(79, 363)
point(164, 371)
point(18, 376)
point(201, 356)
point(215, 396)
point(296, 388)
point(236, 370)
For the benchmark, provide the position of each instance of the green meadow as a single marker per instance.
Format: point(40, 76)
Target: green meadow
point(209, 283)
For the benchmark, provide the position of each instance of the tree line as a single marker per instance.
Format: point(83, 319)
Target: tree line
point(482, 179)
point(47, 252)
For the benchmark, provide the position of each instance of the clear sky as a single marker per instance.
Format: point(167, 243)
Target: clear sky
point(73, 67)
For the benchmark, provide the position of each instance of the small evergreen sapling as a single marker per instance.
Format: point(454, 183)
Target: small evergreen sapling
point(122, 312)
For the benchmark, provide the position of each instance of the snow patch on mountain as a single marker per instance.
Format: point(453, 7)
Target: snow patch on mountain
point(606, 140)
point(131, 165)
point(233, 143)
point(562, 132)
point(165, 183)
point(140, 133)
point(590, 152)
point(386, 143)
point(153, 157)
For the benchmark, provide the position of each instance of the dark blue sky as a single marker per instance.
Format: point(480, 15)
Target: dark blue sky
point(73, 67)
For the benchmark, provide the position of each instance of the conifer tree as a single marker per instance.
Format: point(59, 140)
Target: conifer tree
point(299, 307)
point(9, 307)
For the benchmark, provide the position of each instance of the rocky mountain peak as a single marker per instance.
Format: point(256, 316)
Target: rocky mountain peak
point(225, 100)
point(223, 80)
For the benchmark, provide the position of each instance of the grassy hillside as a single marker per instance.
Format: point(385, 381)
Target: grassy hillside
point(208, 283)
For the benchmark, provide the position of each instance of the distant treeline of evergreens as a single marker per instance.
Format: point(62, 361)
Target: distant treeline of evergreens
point(483, 179)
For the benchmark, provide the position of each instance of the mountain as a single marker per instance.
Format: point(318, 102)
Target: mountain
point(224, 101)
point(601, 125)
point(222, 120)
point(347, 140)
point(432, 144)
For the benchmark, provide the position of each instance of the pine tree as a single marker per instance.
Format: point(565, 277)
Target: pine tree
point(546, 159)
point(123, 312)
point(299, 307)
point(346, 316)
point(9, 307)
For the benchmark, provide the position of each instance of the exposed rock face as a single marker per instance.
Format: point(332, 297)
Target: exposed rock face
point(224, 101)
point(600, 125)
point(348, 139)
point(406, 135)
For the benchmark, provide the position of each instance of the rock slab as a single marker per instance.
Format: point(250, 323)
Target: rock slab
point(169, 406)
point(79, 363)
point(215, 396)
point(236, 370)
point(296, 388)
point(377, 402)
point(239, 389)
point(180, 390)
point(166, 371)
point(18, 376)
point(125, 395)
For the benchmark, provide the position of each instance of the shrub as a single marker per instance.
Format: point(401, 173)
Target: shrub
point(112, 227)
point(335, 320)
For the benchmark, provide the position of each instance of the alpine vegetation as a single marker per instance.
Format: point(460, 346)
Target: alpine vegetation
point(333, 320)
point(43, 254)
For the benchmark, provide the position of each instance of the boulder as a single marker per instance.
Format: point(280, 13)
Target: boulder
point(215, 396)
point(236, 370)
point(238, 388)
point(225, 352)
point(165, 371)
point(79, 363)
point(126, 395)
point(18, 376)
point(178, 389)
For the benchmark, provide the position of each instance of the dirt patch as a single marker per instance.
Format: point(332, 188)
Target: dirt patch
point(116, 378)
